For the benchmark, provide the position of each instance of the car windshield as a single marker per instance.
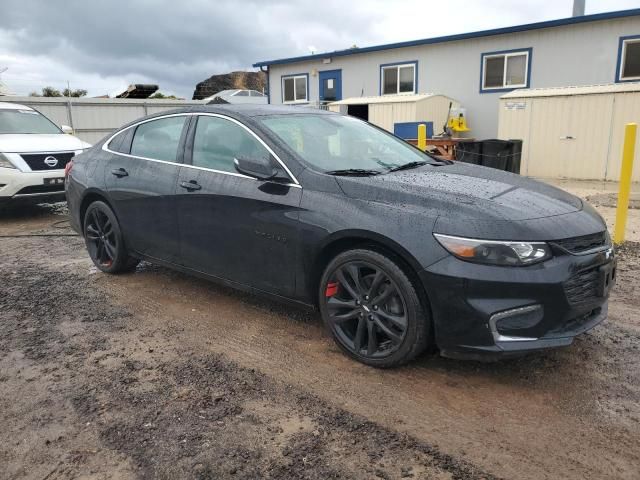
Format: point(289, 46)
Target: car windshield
point(332, 143)
point(25, 121)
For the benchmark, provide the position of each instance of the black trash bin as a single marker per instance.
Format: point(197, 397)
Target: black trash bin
point(469, 152)
point(496, 153)
point(513, 165)
point(501, 154)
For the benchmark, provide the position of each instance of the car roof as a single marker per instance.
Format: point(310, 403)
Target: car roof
point(13, 106)
point(255, 110)
point(246, 112)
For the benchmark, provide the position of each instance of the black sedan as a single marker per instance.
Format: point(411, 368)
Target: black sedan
point(397, 249)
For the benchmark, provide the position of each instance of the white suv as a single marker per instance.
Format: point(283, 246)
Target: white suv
point(33, 154)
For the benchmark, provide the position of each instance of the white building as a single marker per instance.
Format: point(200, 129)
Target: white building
point(473, 68)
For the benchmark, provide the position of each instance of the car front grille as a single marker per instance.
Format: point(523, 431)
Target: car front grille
point(577, 245)
point(582, 286)
point(45, 161)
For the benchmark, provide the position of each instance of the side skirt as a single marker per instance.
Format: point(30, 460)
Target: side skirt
point(227, 283)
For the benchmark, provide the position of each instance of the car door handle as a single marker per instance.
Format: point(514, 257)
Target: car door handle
point(191, 185)
point(120, 172)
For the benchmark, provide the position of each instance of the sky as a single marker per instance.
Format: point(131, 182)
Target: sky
point(104, 45)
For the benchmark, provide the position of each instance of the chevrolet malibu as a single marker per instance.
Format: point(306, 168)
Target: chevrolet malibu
point(398, 250)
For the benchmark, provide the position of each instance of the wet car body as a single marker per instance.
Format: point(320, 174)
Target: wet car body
point(275, 238)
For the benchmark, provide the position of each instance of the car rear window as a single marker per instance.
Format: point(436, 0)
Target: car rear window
point(158, 139)
point(121, 143)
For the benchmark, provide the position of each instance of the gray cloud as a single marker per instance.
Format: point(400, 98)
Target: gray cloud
point(177, 44)
point(173, 43)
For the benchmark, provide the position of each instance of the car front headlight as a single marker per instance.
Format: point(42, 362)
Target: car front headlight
point(495, 252)
point(5, 162)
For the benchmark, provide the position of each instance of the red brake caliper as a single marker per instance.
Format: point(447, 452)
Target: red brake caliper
point(332, 289)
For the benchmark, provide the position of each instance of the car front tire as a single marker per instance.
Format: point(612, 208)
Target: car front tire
point(373, 309)
point(104, 240)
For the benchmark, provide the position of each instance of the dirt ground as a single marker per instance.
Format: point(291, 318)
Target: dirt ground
point(156, 374)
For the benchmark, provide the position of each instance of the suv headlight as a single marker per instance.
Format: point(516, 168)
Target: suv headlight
point(495, 252)
point(5, 162)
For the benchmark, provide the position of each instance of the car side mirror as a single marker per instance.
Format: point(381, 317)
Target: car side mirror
point(261, 168)
point(66, 129)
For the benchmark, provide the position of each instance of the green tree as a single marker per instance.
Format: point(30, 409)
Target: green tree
point(162, 95)
point(54, 92)
point(74, 93)
point(50, 92)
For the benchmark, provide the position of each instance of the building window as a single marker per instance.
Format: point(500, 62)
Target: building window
point(295, 89)
point(505, 70)
point(398, 78)
point(629, 59)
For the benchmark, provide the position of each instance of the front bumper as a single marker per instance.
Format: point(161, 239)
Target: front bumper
point(487, 312)
point(16, 185)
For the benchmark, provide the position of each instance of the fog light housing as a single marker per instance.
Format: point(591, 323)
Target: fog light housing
point(506, 325)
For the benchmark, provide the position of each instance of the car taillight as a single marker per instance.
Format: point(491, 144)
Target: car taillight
point(67, 168)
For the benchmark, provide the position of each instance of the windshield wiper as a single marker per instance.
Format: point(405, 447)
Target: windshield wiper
point(409, 165)
point(354, 172)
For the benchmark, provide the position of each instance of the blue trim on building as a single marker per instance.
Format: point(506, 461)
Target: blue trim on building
point(619, 60)
point(282, 77)
point(529, 50)
point(462, 36)
point(408, 62)
point(338, 87)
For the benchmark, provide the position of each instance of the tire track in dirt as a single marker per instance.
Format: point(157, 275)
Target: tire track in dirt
point(573, 413)
point(516, 427)
point(108, 393)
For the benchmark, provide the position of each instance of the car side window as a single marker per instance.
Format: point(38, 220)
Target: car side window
point(158, 139)
point(218, 141)
point(121, 143)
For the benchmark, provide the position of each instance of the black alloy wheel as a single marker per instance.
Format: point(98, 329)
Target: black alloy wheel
point(372, 309)
point(104, 240)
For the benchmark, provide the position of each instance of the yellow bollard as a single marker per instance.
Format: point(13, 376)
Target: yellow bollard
point(422, 137)
point(625, 182)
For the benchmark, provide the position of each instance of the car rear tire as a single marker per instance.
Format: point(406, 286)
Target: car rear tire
point(104, 240)
point(373, 309)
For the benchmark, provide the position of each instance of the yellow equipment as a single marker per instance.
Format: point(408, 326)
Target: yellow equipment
point(457, 121)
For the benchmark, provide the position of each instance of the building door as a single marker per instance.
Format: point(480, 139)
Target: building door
point(330, 85)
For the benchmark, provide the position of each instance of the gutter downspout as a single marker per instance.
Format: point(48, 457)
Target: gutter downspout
point(268, 89)
point(578, 8)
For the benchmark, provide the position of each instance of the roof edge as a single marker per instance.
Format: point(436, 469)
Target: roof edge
point(569, 90)
point(460, 36)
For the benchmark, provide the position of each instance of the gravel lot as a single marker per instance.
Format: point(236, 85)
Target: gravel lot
point(156, 374)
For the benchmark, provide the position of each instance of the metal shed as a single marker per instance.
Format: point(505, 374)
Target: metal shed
point(399, 111)
point(571, 132)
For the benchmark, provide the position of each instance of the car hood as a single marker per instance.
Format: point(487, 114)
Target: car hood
point(464, 191)
point(25, 143)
